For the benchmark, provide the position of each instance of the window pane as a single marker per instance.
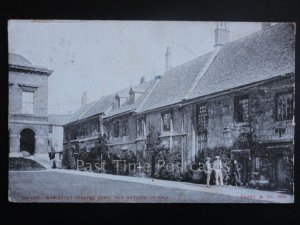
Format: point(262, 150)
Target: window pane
point(202, 117)
point(27, 102)
point(241, 108)
point(285, 107)
point(166, 122)
point(140, 127)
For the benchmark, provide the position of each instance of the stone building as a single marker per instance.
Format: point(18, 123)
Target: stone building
point(28, 107)
point(236, 101)
point(112, 115)
point(56, 130)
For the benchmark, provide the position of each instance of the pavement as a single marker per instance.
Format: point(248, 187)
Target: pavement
point(240, 192)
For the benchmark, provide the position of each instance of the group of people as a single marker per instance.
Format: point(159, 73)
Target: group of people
point(217, 167)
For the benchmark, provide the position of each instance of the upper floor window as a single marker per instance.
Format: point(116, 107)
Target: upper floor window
point(27, 102)
point(284, 106)
point(202, 117)
point(140, 126)
point(124, 127)
point(116, 129)
point(166, 122)
point(241, 108)
point(50, 130)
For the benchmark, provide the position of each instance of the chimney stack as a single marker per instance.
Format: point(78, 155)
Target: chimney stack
point(265, 25)
point(168, 58)
point(84, 98)
point(157, 77)
point(142, 80)
point(222, 34)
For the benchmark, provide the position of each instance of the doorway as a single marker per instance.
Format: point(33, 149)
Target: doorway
point(27, 141)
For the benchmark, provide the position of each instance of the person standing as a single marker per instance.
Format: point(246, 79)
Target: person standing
point(207, 170)
point(218, 166)
point(236, 174)
point(52, 158)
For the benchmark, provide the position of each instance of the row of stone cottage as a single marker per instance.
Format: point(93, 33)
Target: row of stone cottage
point(239, 97)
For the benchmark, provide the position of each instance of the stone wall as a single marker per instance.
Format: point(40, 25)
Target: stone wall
point(38, 121)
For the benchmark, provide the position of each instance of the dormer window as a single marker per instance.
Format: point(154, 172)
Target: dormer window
point(117, 101)
point(131, 96)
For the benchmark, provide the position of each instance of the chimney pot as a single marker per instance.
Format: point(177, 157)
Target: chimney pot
point(142, 80)
point(157, 77)
point(222, 34)
point(168, 58)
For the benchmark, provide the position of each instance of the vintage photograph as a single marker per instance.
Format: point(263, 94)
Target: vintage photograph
point(112, 111)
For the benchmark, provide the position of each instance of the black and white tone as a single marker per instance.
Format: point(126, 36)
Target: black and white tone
point(151, 111)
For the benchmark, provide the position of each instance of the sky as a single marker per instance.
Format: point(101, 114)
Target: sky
point(102, 57)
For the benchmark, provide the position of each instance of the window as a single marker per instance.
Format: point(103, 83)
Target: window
point(166, 120)
point(202, 141)
point(27, 102)
point(124, 127)
point(284, 106)
point(202, 117)
point(257, 163)
point(280, 131)
point(117, 102)
point(116, 128)
point(140, 127)
point(50, 129)
point(241, 108)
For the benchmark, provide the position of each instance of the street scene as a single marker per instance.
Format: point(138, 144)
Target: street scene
point(151, 111)
point(42, 187)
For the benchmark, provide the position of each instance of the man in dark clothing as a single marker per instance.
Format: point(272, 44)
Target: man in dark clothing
point(236, 174)
point(52, 159)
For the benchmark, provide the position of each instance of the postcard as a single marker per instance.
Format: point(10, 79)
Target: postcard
point(111, 111)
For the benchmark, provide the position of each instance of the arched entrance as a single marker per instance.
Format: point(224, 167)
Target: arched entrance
point(27, 141)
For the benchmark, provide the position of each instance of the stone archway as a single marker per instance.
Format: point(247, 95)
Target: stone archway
point(27, 141)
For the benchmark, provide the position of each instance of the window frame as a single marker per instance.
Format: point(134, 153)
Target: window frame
point(204, 117)
point(50, 129)
point(288, 117)
point(27, 106)
point(236, 102)
point(140, 133)
point(116, 128)
point(162, 121)
point(124, 127)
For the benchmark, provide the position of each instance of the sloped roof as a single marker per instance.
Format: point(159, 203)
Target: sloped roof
point(144, 88)
point(105, 104)
point(256, 57)
point(101, 106)
point(17, 59)
point(59, 120)
point(77, 114)
point(175, 83)
point(265, 54)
